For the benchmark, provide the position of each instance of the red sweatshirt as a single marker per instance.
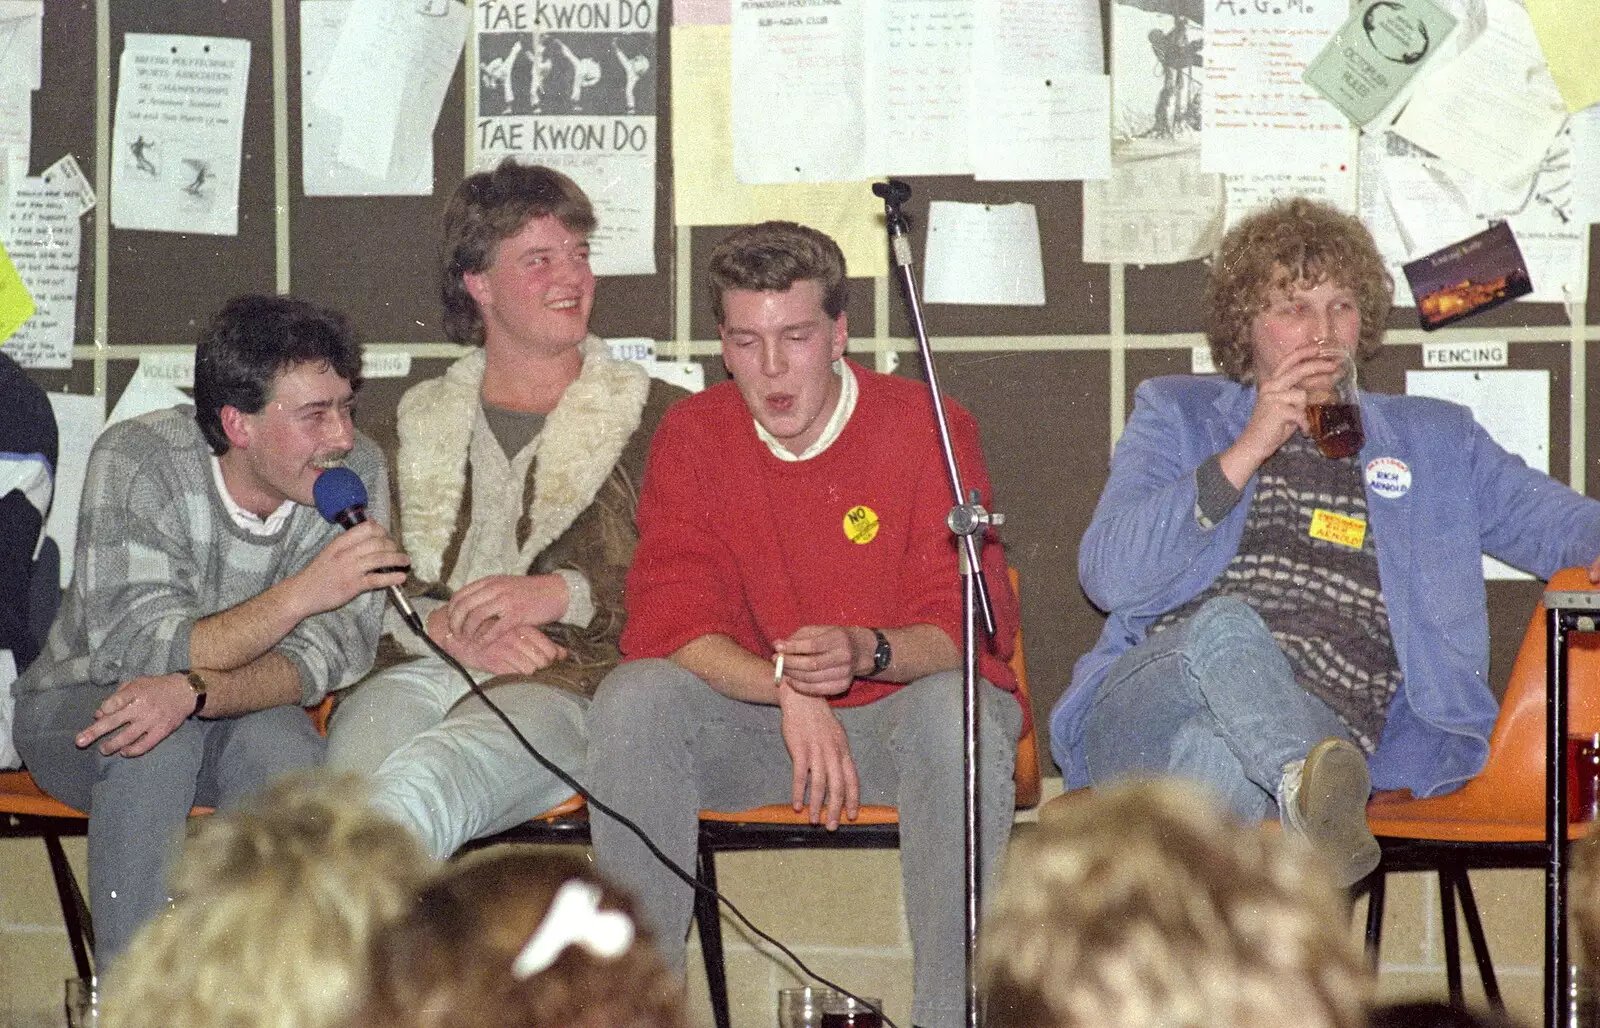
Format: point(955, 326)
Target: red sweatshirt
point(734, 541)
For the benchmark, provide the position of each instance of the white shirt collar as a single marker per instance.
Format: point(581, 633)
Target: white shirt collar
point(245, 519)
point(841, 416)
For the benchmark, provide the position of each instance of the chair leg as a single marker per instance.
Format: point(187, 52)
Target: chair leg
point(1452, 938)
point(74, 910)
point(708, 919)
point(1480, 943)
point(1375, 896)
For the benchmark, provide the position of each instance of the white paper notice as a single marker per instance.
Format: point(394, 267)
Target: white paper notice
point(1041, 107)
point(919, 83)
point(799, 81)
point(179, 133)
point(1585, 128)
point(1252, 190)
point(410, 168)
point(983, 253)
point(571, 84)
point(1512, 406)
point(43, 237)
point(79, 420)
point(1157, 210)
point(1259, 114)
point(156, 385)
point(20, 70)
point(1494, 110)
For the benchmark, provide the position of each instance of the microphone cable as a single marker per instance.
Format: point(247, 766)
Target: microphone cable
point(414, 622)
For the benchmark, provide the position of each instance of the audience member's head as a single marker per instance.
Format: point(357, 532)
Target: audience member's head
point(774, 255)
point(488, 208)
point(1296, 242)
point(1144, 904)
point(274, 906)
point(519, 940)
point(1434, 1014)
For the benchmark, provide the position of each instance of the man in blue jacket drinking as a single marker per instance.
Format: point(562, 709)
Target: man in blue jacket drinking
point(1287, 628)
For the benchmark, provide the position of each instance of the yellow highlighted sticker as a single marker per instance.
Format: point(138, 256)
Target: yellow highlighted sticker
point(1338, 529)
point(860, 524)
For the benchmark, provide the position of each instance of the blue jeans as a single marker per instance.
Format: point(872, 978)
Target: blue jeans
point(665, 745)
point(442, 763)
point(1212, 700)
point(138, 806)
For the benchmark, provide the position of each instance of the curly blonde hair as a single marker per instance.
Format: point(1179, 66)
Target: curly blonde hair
point(448, 964)
point(1292, 242)
point(275, 903)
point(1143, 905)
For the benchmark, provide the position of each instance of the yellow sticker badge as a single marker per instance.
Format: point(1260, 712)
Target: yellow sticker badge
point(860, 524)
point(1338, 529)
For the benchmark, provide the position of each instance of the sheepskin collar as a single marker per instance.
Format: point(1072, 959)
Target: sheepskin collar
point(580, 443)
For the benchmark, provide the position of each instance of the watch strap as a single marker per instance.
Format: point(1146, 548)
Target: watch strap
point(882, 655)
point(197, 684)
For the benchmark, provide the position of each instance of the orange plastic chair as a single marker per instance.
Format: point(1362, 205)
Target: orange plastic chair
point(28, 812)
point(565, 824)
point(1496, 820)
point(777, 826)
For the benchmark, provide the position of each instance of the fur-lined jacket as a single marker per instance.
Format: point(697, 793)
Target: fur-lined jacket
point(564, 505)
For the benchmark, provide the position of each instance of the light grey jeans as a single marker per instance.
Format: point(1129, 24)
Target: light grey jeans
point(442, 763)
point(138, 806)
point(1212, 700)
point(665, 745)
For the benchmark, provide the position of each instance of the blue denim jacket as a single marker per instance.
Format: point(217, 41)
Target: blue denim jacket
point(1439, 491)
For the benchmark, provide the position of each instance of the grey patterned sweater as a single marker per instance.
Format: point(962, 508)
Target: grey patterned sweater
point(157, 551)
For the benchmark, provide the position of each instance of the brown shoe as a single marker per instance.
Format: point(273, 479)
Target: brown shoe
point(1323, 799)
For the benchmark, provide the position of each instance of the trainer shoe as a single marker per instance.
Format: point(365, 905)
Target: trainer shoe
point(1323, 800)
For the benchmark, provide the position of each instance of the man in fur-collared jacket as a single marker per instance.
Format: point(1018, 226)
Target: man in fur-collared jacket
point(518, 472)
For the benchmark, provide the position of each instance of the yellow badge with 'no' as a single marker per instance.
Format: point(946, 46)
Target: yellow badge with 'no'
point(1338, 529)
point(860, 524)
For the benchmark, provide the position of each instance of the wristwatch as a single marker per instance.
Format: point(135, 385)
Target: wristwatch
point(882, 654)
point(198, 684)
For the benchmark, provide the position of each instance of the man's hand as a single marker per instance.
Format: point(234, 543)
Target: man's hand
point(146, 710)
point(1280, 409)
point(497, 604)
point(519, 651)
point(348, 566)
point(823, 768)
point(822, 660)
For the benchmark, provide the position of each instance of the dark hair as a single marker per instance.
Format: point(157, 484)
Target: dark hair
point(1291, 242)
point(250, 341)
point(490, 206)
point(448, 963)
point(773, 256)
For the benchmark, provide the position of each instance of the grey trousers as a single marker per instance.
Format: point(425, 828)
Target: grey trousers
point(443, 764)
point(663, 745)
point(138, 806)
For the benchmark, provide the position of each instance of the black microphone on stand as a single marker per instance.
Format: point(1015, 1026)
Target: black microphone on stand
point(342, 499)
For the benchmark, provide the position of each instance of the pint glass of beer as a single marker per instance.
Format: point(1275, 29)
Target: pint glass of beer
point(1335, 413)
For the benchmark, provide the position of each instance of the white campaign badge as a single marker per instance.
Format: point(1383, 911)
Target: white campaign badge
point(1389, 477)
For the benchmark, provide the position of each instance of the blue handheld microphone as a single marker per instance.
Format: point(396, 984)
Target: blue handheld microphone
point(342, 500)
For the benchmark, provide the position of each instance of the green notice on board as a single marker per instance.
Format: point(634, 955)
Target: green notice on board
point(1376, 52)
point(16, 303)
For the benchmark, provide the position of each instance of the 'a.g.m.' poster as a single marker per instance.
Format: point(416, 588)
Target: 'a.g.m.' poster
point(571, 84)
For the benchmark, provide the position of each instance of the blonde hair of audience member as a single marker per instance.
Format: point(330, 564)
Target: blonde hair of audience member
point(1144, 904)
point(275, 904)
point(449, 964)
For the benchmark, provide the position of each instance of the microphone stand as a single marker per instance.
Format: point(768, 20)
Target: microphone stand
point(967, 520)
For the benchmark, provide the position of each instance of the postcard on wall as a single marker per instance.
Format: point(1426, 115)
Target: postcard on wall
point(571, 84)
point(1371, 58)
point(179, 133)
point(1478, 273)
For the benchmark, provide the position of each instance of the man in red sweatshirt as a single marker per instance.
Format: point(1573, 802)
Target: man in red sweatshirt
point(794, 611)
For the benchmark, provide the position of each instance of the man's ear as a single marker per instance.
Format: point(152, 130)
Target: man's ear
point(841, 335)
point(477, 287)
point(236, 426)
